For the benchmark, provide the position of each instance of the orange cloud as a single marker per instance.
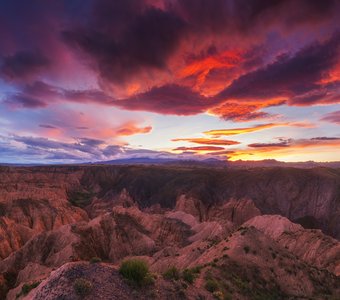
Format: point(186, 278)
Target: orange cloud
point(240, 112)
point(201, 68)
point(205, 141)
point(130, 128)
point(235, 131)
point(332, 76)
point(200, 148)
point(287, 148)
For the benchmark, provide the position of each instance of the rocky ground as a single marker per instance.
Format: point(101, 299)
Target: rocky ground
point(240, 234)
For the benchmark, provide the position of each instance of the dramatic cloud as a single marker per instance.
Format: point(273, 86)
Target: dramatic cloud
point(205, 141)
point(291, 77)
point(77, 77)
point(239, 112)
point(40, 94)
point(168, 99)
point(23, 64)
point(127, 38)
point(235, 131)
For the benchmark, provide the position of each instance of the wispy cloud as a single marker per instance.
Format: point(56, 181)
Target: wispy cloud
point(205, 141)
point(236, 131)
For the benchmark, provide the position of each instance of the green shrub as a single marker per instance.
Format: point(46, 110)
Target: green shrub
point(172, 273)
point(26, 288)
point(196, 269)
point(149, 279)
point(211, 285)
point(134, 270)
point(95, 260)
point(82, 286)
point(189, 275)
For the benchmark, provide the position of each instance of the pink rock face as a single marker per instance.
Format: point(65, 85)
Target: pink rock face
point(27, 218)
point(273, 225)
point(308, 244)
point(13, 236)
point(235, 211)
point(191, 206)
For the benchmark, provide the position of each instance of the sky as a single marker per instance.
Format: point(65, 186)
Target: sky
point(96, 80)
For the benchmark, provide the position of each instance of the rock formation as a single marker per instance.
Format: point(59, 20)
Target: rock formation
point(234, 227)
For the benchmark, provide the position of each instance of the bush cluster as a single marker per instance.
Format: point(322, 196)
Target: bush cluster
point(82, 286)
point(26, 288)
point(136, 271)
point(188, 275)
point(172, 273)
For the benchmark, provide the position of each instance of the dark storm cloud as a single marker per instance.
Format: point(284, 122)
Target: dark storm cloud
point(125, 37)
point(246, 15)
point(289, 76)
point(22, 64)
point(169, 99)
point(41, 94)
point(249, 13)
point(123, 40)
point(25, 101)
point(37, 94)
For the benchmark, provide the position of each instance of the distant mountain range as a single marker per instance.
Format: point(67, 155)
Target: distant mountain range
point(209, 162)
point(219, 163)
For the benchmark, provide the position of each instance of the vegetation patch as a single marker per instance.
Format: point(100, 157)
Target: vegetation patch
point(82, 287)
point(189, 276)
point(26, 288)
point(136, 271)
point(211, 285)
point(172, 274)
point(95, 260)
point(80, 198)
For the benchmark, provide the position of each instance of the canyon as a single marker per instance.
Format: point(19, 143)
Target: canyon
point(258, 233)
